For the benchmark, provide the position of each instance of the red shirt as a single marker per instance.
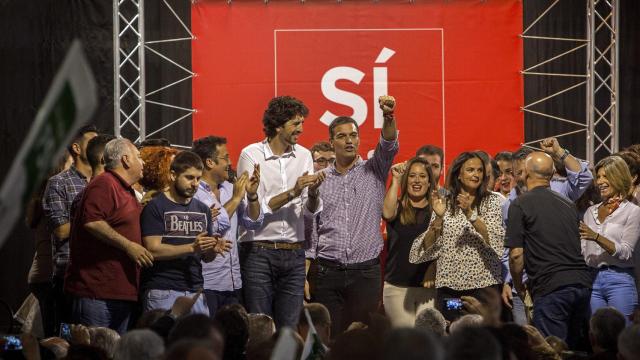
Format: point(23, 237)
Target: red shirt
point(97, 269)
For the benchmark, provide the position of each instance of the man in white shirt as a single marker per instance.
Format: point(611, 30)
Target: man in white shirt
point(272, 257)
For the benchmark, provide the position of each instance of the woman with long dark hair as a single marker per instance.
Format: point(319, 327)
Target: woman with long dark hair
point(468, 246)
point(407, 216)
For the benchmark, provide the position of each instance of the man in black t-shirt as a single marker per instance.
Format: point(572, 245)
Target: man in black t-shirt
point(177, 230)
point(542, 234)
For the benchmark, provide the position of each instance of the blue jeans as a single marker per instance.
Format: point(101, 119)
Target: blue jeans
point(564, 313)
point(164, 299)
point(518, 311)
point(273, 282)
point(218, 299)
point(615, 287)
point(113, 314)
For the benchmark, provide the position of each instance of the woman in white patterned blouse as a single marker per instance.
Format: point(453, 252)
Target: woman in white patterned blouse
point(466, 237)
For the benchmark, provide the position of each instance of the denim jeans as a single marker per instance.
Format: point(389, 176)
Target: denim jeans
point(113, 314)
point(349, 294)
point(565, 313)
point(518, 311)
point(273, 282)
point(218, 299)
point(164, 299)
point(615, 287)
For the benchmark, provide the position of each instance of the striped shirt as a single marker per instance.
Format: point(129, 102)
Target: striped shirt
point(348, 226)
point(223, 273)
point(61, 189)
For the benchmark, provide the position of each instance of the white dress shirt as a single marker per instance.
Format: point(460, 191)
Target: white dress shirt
point(277, 175)
point(622, 227)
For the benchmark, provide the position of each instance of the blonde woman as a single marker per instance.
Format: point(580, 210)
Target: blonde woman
point(609, 235)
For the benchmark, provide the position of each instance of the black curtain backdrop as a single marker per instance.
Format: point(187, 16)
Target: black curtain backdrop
point(35, 35)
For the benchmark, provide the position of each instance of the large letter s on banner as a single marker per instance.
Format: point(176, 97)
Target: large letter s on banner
point(331, 92)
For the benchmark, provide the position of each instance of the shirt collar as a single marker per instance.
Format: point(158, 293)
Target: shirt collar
point(335, 171)
point(269, 155)
point(121, 180)
point(77, 173)
point(205, 186)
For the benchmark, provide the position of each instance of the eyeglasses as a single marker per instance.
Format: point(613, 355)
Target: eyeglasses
point(323, 161)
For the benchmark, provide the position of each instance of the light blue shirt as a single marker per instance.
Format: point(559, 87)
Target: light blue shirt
point(223, 273)
point(571, 187)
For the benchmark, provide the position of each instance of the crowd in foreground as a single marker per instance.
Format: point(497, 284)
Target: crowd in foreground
point(531, 251)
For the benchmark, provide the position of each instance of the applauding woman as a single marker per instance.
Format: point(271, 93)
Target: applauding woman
point(407, 217)
point(465, 237)
point(610, 232)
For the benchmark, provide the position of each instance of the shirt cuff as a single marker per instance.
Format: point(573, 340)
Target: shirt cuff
point(389, 145)
point(318, 209)
point(248, 222)
point(584, 168)
point(266, 210)
point(58, 221)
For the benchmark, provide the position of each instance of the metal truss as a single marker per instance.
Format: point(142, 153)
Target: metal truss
point(599, 80)
point(602, 66)
point(130, 48)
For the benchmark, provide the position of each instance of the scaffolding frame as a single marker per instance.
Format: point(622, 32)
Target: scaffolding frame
point(130, 48)
point(600, 79)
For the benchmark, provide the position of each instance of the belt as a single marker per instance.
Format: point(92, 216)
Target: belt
point(276, 245)
point(339, 266)
point(615, 267)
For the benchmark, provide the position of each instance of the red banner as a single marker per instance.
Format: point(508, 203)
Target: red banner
point(453, 67)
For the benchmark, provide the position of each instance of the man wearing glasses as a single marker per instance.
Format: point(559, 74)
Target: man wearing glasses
point(323, 155)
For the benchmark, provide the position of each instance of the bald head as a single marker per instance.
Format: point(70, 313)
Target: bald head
point(539, 165)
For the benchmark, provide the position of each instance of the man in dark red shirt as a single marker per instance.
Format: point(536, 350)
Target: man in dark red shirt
point(105, 244)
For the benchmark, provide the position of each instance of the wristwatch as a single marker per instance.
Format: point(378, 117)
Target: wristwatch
point(564, 156)
point(291, 195)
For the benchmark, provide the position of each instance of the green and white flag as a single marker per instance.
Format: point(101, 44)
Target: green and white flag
point(69, 104)
point(313, 349)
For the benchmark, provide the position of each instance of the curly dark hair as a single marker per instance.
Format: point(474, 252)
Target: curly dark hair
point(280, 110)
point(455, 185)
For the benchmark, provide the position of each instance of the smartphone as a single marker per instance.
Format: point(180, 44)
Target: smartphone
point(65, 331)
point(12, 343)
point(453, 304)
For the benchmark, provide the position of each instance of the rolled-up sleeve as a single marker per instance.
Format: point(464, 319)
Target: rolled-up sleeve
point(54, 204)
point(577, 182)
point(630, 234)
point(247, 222)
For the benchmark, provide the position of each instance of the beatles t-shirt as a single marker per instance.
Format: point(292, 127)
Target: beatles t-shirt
point(178, 224)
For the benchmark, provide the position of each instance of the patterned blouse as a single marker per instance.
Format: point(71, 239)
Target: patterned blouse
point(464, 261)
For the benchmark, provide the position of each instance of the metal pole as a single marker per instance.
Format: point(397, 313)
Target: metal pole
point(615, 135)
point(116, 69)
point(141, 63)
point(590, 80)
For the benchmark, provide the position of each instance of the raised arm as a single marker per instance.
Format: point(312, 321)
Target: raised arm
point(390, 204)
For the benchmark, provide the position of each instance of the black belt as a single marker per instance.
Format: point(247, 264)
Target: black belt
point(339, 266)
point(615, 267)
